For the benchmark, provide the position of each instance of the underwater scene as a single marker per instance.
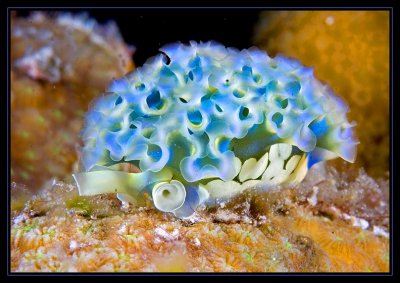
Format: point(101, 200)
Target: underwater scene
point(258, 142)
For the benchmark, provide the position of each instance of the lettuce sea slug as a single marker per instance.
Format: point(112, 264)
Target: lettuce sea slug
point(203, 122)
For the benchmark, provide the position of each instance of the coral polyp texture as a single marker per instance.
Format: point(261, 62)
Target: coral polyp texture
point(331, 222)
point(203, 123)
point(59, 63)
point(350, 52)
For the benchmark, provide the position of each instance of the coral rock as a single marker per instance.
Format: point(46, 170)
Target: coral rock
point(273, 231)
point(58, 65)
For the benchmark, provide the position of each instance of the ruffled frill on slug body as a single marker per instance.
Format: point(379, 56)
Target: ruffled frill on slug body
point(203, 122)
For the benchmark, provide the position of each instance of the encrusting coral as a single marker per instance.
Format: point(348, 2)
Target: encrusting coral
point(308, 228)
point(59, 63)
point(349, 50)
point(204, 122)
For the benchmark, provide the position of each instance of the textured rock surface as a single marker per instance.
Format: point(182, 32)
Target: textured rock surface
point(330, 222)
point(349, 50)
point(58, 65)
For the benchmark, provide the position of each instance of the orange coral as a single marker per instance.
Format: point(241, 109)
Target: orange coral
point(58, 65)
point(344, 245)
point(50, 234)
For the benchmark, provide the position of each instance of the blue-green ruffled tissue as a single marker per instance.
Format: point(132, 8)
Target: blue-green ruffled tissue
point(219, 119)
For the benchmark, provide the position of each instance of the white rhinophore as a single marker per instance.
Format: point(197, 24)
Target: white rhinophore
point(170, 196)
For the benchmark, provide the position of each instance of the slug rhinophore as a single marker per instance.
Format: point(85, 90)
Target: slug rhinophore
point(203, 123)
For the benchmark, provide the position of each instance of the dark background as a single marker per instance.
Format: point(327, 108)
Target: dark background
point(149, 29)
